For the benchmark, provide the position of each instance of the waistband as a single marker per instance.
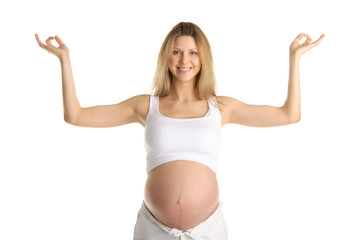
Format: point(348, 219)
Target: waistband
point(193, 233)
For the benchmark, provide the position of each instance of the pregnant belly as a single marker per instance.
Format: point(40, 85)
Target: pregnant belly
point(181, 194)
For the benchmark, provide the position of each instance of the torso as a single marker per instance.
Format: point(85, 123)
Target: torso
point(180, 194)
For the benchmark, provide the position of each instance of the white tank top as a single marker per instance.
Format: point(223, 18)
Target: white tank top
point(194, 139)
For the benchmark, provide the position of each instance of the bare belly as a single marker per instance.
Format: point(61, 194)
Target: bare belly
point(181, 194)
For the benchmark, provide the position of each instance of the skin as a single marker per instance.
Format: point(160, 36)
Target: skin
point(181, 194)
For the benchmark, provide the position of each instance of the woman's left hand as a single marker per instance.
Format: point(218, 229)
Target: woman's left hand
point(297, 50)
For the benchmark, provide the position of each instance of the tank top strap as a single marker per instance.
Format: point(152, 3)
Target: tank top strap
point(152, 106)
point(152, 102)
point(213, 106)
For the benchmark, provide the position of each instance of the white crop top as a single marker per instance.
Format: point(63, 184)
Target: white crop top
point(194, 139)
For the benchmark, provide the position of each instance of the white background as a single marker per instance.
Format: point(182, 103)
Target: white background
point(300, 181)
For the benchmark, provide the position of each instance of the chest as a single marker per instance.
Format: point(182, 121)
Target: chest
point(183, 111)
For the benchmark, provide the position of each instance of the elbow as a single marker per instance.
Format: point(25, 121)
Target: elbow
point(70, 120)
point(291, 116)
point(294, 119)
point(72, 117)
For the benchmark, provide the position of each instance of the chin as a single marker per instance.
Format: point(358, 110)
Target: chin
point(185, 79)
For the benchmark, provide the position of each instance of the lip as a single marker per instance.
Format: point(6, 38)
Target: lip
point(184, 71)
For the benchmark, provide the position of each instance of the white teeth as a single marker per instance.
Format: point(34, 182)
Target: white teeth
point(184, 69)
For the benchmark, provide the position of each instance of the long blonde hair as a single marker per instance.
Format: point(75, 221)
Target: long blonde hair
point(205, 79)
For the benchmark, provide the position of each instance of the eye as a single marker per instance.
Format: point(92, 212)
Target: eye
point(194, 53)
point(176, 52)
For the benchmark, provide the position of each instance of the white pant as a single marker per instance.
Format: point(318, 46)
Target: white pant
point(149, 228)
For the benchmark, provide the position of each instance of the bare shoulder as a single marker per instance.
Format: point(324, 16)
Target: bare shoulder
point(224, 99)
point(228, 103)
point(226, 106)
point(142, 98)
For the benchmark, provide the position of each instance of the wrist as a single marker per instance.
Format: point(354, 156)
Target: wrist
point(294, 57)
point(64, 57)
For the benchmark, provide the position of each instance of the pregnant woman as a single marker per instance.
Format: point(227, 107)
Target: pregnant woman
point(183, 118)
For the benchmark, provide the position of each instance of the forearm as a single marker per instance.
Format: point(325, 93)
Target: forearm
point(292, 105)
point(71, 104)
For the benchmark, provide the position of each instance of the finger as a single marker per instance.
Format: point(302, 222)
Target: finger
point(48, 41)
point(59, 40)
point(298, 38)
point(308, 40)
point(318, 41)
point(42, 45)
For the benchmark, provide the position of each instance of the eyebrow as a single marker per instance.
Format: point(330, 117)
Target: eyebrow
point(188, 49)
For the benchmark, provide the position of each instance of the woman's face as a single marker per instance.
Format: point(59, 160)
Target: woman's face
point(184, 62)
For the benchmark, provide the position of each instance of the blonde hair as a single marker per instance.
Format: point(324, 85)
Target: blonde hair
point(205, 79)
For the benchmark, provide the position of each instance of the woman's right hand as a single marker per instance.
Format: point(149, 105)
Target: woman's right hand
point(60, 51)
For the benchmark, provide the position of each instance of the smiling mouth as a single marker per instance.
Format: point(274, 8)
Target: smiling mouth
point(183, 69)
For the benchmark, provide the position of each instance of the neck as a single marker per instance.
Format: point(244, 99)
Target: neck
point(183, 91)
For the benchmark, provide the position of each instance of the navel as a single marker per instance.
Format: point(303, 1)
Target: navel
point(180, 205)
point(180, 202)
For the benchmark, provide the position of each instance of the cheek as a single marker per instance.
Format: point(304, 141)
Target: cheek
point(198, 63)
point(197, 60)
point(172, 61)
point(172, 65)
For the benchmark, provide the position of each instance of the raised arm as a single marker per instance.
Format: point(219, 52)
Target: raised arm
point(235, 111)
point(292, 106)
point(128, 111)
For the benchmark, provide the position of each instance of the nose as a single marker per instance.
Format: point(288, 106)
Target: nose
point(184, 58)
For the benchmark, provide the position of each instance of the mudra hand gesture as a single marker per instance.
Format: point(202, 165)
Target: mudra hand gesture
point(297, 50)
point(60, 51)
